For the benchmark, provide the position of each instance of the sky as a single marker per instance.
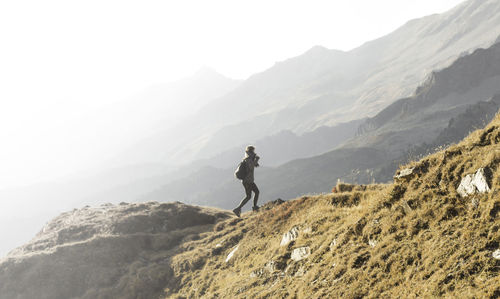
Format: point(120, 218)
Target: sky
point(63, 60)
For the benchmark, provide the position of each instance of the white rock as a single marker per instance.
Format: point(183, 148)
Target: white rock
point(257, 273)
point(496, 254)
point(271, 266)
point(372, 243)
point(405, 173)
point(300, 253)
point(480, 182)
point(231, 254)
point(290, 236)
point(333, 244)
point(466, 187)
point(473, 183)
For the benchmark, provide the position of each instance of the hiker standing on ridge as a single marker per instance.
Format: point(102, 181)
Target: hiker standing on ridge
point(245, 173)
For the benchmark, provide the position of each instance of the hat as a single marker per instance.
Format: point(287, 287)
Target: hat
point(250, 148)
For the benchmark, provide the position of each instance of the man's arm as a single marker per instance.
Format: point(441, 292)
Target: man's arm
point(257, 161)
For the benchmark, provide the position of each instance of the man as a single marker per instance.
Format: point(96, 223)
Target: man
point(251, 160)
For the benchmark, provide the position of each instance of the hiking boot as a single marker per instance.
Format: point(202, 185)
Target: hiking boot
point(237, 212)
point(255, 208)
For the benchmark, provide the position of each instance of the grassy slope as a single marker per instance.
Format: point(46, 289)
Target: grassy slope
point(425, 239)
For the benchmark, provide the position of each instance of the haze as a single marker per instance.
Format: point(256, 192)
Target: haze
point(62, 61)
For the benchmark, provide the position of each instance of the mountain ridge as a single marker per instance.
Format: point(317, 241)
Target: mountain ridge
point(417, 236)
point(333, 86)
point(391, 136)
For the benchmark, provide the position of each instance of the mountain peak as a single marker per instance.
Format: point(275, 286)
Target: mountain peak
point(208, 72)
point(321, 50)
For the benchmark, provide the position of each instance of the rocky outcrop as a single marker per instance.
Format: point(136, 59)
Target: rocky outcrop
point(290, 236)
point(474, 183)
point(111, 251)
point(300, 253)
point(405, 174)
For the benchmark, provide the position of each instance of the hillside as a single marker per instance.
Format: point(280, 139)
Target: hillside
point(416, 237)
point(437, 114)
point(111, 251)
point(433, 232)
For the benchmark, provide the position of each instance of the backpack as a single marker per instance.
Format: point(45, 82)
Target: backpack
point(241, 171)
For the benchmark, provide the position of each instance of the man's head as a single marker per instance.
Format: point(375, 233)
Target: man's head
point(250, 149)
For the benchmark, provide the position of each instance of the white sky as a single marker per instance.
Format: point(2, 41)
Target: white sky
point(62, 59)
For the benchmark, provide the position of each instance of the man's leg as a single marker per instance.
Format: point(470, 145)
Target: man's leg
point(256, 196)
point(248, 191)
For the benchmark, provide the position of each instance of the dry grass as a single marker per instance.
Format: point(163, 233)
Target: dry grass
point(416, 238)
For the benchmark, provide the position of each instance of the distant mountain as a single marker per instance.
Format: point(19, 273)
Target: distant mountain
point(326, 87)
point(174, 101)
point(286, 146)
point(112, 128)
point(151, 111)
point(448, 105)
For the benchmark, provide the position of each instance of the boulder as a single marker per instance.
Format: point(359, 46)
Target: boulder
point(290, 236)
point(300, 253)
point(496, 254)
point(473, 183)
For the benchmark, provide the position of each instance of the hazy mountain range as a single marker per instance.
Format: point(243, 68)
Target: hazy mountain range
point(444, 109)
point(327, 87)
point(297, 113)
point(141, 115)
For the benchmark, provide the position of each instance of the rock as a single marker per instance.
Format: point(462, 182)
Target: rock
point(473, 183)
point(466, 187)
point(480, 181)
point(333, 244)
point(231, 254)
point(496, 254)
point(372, 243)
point(300, 253)
point(290, 236)
point(270, 266)
point(405, 174)
point(257, 273)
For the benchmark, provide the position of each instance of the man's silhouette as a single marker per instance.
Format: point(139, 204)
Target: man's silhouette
point(251, 160)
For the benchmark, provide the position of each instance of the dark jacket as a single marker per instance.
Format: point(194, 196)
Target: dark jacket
point(252, 161)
